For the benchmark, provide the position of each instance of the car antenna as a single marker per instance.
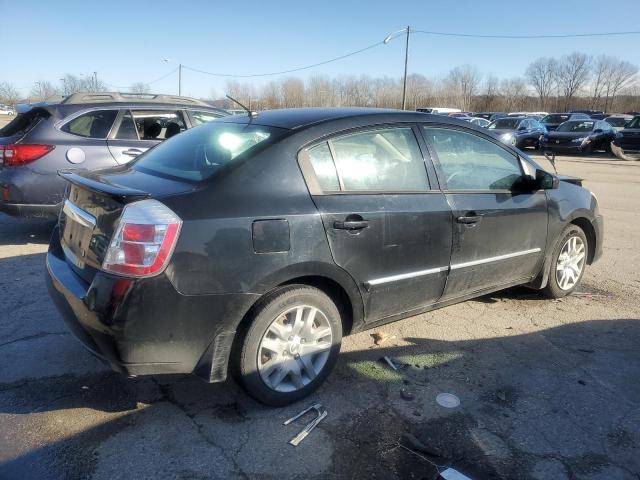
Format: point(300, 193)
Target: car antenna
point(251, 113)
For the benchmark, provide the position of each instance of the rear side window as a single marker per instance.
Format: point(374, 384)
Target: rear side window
point(470, 162)
point(92, 124)
point(199, 117)
point(158, 124)
point(324, 168)
point(380, 160)
point(199, 153)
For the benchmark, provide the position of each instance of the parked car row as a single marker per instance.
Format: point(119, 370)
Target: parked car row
point(579, 131)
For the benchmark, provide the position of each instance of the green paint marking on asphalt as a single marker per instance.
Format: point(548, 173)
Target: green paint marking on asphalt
point(381, 371)
point(376, 371)
point(430, 360)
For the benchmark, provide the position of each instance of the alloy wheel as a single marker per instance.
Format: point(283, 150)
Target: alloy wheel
point(294, 349)
point(570, 263)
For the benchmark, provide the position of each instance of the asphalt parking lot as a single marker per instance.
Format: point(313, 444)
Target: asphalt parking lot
point(548, 389)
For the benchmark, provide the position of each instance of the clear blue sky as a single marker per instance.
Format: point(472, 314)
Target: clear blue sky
point(125, 41)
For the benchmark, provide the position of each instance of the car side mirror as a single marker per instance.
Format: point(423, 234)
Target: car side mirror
point(546, 180)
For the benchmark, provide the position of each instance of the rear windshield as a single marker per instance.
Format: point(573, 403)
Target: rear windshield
point(635, 123)
point(555, 118)
point(199, 153)
point(24, 122)
point(617, 121)
point(576, 126)
point(505, 123)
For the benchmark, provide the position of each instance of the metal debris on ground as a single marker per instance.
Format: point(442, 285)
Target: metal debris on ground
point(321, 413)
point(447, 400)
point(406, 394)
point(380, 337)
point(389, 362)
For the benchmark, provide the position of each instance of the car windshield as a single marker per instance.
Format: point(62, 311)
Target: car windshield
point(635, 123)
point(504, 123)
point(576, 126)
point(199, 153)
point(555, 118)
point(617, 121)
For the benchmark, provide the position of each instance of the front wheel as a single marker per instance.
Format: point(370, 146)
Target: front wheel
point(291, 346)
point(568, 262)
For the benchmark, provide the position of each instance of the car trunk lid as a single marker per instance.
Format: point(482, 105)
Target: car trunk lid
point(93, 204)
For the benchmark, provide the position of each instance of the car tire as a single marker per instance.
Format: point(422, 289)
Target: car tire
point(571, 245)
point(288, 375)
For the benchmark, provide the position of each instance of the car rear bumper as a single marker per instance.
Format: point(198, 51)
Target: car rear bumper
point(30, 210)
point(145, 326)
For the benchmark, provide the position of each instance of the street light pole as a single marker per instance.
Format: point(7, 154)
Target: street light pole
point(407, 30)
point(406, 62)
point(180, 79)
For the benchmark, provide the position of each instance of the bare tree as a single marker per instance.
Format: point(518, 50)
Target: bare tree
point(463, 82)
point(140, 87)
point(542, 74)
point(514, 91)
point(490, 94)
point(619, 75)
point(42, 90)
point(572, 75)
point(8, 93)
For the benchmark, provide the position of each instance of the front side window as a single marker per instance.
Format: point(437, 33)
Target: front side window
point(92, 124)
point(381, 160)
point(199, 117)
point(470, 162)
point(199, 153)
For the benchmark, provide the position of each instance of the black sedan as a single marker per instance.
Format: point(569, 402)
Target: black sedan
point(553, 120)
point(626, 145)
point(518, 132)
point(258, 241)
point(579, 136)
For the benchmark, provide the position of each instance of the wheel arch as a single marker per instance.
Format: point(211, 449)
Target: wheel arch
point(589, 231)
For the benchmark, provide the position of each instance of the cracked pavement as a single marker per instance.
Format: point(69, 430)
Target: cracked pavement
point(548, 389)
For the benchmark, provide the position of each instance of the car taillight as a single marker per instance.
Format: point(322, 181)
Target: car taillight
point(18, 154)
point(144, 239)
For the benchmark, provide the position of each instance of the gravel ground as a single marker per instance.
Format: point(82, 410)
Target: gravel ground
point(548, 389)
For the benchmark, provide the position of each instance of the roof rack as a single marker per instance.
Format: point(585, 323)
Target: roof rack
point(103, 97)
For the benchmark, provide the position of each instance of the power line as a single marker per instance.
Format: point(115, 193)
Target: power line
point(568, 35)
point(425, 32)
point(298, 69)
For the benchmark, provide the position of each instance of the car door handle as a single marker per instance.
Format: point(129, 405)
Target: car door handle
point(132, 152)
point(350, 224)
point(469, 219)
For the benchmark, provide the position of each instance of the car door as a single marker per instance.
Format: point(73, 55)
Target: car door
point(137, 130)
point(387, 225)
point(499, 230)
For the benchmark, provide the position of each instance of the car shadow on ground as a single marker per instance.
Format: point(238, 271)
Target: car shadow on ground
point(564, 401)
point(21, 231)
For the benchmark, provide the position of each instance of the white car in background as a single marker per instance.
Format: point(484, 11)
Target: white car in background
point(618, 120)
point(479, 121)
point(6, 110)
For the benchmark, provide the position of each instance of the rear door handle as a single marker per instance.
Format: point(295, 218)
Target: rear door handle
point(351, 224)
point(132, 152)
point(469, 219)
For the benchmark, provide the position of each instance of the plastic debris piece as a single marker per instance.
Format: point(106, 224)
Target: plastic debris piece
point(453, 474)
point(389, 362)
point(447, 400)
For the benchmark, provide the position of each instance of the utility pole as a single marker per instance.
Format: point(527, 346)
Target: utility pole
point(180, 79)
point(406, 62)
point(95, 81)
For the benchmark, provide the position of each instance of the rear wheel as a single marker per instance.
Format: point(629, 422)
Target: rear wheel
point(291, 345)
point(568, 262)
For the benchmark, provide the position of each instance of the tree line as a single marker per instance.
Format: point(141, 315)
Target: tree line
point(572, 81)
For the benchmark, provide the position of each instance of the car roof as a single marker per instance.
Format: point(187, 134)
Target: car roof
point(63, 109)
point(295, 118)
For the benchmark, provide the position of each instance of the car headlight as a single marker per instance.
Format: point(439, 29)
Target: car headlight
point(505, 137)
